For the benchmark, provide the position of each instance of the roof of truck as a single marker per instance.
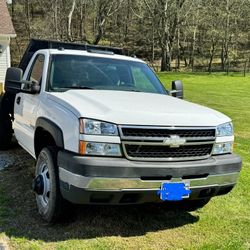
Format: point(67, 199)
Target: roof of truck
point(96, 53)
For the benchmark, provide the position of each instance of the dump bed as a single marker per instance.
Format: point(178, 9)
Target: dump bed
point(36, 44)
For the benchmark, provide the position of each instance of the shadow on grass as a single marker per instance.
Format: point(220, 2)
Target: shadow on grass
point(20, 217)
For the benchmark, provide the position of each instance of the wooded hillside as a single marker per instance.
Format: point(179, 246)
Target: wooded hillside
point(193, 35)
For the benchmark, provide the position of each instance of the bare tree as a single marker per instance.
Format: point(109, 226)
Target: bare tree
point(195, 33)
point(104, 9)
point(70, 19)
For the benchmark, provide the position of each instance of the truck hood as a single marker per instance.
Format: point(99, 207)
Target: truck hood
point(137, 108)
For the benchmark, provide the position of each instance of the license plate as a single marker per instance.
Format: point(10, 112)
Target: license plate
point(174, 191)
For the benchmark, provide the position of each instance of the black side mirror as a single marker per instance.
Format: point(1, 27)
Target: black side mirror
point(13, 80)
point(177, 89)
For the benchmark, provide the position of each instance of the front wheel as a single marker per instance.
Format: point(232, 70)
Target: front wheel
point(46, 186)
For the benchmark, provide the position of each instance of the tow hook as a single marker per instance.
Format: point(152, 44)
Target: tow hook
point(38, 185)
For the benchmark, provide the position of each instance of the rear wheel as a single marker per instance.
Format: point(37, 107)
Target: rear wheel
point(46, 186)
point(5, 131)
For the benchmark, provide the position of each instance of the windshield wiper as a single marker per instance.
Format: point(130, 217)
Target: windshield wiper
point(77, 87)
point(132, 90)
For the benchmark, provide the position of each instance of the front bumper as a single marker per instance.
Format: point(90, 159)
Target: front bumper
point(86, 180)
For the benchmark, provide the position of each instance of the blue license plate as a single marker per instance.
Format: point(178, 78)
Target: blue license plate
point(172, 191)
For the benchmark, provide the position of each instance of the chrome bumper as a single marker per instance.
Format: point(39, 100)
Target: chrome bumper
point(124, 184)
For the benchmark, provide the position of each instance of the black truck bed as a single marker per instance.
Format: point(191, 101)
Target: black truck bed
point(36, 44)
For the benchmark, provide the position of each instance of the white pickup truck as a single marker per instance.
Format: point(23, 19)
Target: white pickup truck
point(104, 130)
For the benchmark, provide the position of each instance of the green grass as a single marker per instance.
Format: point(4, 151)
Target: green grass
point(223, 224)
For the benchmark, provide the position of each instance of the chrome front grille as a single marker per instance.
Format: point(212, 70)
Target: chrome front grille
point(167, 143)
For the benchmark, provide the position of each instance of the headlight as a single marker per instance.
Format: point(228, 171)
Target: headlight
point(222, 148)
point(225, 129)
point(93, 127)
point(99, 148)
point(224, 145)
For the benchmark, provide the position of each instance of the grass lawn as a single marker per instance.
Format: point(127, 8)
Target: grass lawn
point(222, 224)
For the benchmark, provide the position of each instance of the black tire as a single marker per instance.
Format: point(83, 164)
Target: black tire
point(49, 201)
point(5, 131)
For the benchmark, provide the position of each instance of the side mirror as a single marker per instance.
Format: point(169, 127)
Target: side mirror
point(177, 89)
point(13, 80)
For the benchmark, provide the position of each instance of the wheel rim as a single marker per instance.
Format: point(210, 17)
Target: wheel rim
point(43, 171)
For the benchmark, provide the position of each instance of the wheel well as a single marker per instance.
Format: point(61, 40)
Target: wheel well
point(42, 139)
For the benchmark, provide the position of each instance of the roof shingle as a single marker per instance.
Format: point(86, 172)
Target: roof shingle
point(6, 26)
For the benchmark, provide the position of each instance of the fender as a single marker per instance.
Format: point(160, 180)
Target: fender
point(53, 129)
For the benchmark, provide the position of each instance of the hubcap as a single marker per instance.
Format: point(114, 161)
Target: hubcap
point(41, 184)
point(38, 185)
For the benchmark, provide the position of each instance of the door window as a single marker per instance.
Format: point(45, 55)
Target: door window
point(37, 70)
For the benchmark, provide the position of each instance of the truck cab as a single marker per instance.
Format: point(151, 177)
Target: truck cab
point(104, 130)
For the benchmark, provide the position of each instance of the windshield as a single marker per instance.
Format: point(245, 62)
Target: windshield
point(84, 72)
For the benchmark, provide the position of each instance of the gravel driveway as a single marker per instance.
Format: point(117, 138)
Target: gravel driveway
point(6, 159)
point(13, 156)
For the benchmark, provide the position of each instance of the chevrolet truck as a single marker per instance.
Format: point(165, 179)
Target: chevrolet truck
point(104, 130)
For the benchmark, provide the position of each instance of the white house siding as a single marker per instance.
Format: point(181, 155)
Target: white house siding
point(4, 58)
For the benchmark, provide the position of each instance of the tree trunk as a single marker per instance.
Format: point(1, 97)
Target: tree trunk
point(163, 59)
point(193, 49)
point(178, 49)
point(225, 45)
point(55, 7)
point(169, 57)
point(70, 20)
point(126, 22)
point(27, 5)
point(212, 50)
point(153, 41)
point(13, 8)
point(222, 56)
point(99, 34)
point(82, 22)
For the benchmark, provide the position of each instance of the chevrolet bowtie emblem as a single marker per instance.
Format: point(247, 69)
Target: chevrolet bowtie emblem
point(174, 141)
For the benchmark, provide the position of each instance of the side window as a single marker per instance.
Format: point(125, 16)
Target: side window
point(37, 70)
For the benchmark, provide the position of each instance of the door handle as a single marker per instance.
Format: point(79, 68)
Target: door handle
point(18, 100)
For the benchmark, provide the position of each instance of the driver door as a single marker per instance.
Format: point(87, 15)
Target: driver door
point(27, 105)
